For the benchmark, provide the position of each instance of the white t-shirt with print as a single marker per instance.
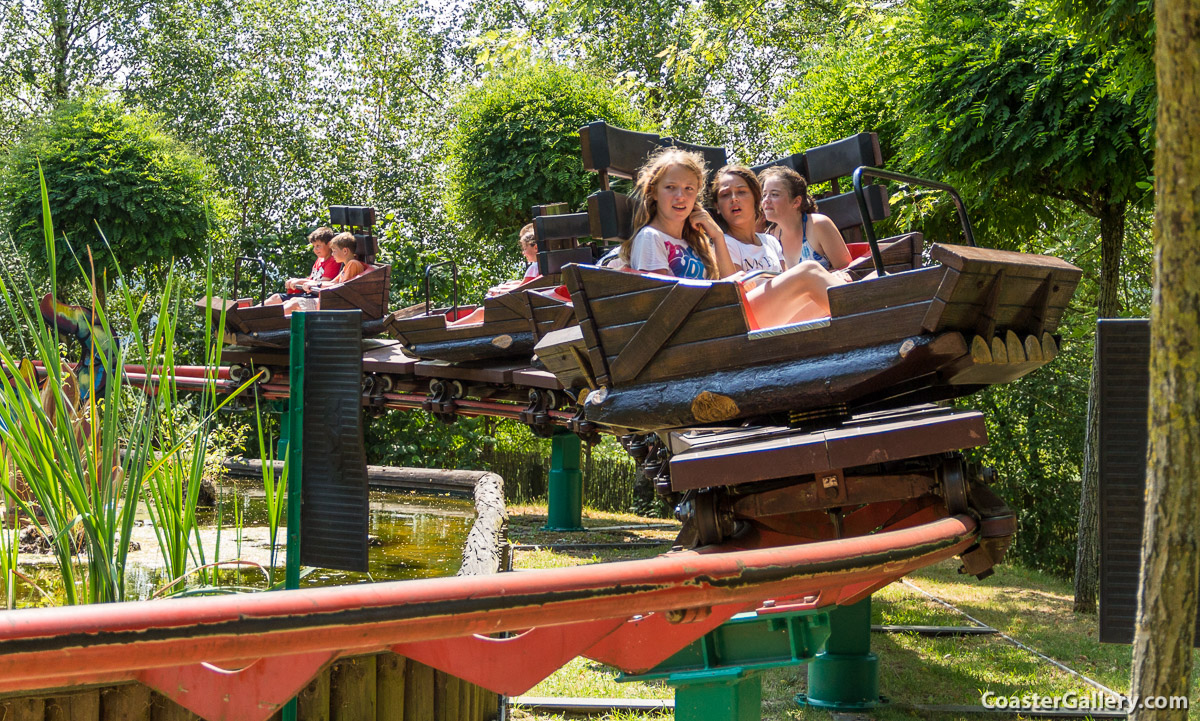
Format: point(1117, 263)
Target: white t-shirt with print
point(767, 256)
point(654, 250)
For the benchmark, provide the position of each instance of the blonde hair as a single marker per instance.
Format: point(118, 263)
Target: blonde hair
point(646, 205)
point(528, 234)
point(345, 241)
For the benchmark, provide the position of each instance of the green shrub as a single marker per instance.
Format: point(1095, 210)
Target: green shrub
point(517, 145)
point(111, 168)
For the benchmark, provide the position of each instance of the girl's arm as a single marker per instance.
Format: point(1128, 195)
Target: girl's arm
point(702, 221)
point(829, 242)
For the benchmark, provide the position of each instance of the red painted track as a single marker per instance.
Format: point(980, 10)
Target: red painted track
point(582, 610)
point(616, 613)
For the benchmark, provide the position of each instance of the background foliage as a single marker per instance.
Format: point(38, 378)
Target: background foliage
point(112, 171)
point(516, 144)
point(1040, 111)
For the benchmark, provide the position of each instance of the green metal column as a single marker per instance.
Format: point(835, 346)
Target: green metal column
point(291, 428)
point(566, 484)
point(845, 675)
point(718, 676)
point(733, 694)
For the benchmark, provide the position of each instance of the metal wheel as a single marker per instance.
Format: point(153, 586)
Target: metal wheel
point(239, 373)
point(713, 524)
point(954, 485)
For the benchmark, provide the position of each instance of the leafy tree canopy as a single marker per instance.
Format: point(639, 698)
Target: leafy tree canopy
point(991, 95)
point(517, 145)
point(705, 72)
point(110, 171)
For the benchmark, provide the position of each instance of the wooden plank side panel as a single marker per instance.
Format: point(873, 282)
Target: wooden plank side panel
point(864, 330)
point(587, 328)
point(348, 297)
point(967, 297)
point(601, 283)
point(638, 305)
point(701, 325)
point(670, 313)
point(513, 302)
point(498, 309)
point(263, 317)
point(368, 293)
point(435, 319)
point(989, 260)
point(561, 352)
point(889, 291)
point(551, 318)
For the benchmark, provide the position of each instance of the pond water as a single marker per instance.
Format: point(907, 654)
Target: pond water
point(414, 536)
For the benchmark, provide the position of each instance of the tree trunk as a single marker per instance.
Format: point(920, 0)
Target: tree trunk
point(61, 50)
point(1087, 550)
point(1166, 618)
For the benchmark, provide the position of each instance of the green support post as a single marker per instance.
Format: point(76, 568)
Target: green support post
point(845, 675)
point(718, 676)
point(291, 439)
point(733, 694)
point(566, 484)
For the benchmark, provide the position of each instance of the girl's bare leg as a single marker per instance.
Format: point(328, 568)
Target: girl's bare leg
point(475, 316)
point(800, 293)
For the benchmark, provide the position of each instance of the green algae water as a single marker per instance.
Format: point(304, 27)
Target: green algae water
point(412, 536)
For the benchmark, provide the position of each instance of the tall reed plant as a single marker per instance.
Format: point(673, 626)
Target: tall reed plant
point(86, 463)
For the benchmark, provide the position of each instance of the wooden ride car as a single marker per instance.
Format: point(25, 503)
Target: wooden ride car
point(660, 353)
point(250, 324)
point(259, 335)
point(506, 328)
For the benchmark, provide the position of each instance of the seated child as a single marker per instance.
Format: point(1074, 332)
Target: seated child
point(528, 241)
point(342, 246)
point(529, 250)
point(324, 268)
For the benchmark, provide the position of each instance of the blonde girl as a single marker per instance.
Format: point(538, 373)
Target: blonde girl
point(669, 224)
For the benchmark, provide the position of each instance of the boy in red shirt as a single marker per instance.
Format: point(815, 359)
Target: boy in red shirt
point(325, 268)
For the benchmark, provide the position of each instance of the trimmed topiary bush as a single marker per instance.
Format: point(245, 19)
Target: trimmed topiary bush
point(108, 170)
point(517, 145)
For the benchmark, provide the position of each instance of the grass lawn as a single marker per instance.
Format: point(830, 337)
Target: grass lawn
point(1032, 607)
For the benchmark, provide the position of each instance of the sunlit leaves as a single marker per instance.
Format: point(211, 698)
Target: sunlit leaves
point(517, 144)
point(113, 168)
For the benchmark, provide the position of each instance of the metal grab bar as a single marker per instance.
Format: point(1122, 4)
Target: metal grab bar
point(262, 279)
point(869, 226)
point(454, 277)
